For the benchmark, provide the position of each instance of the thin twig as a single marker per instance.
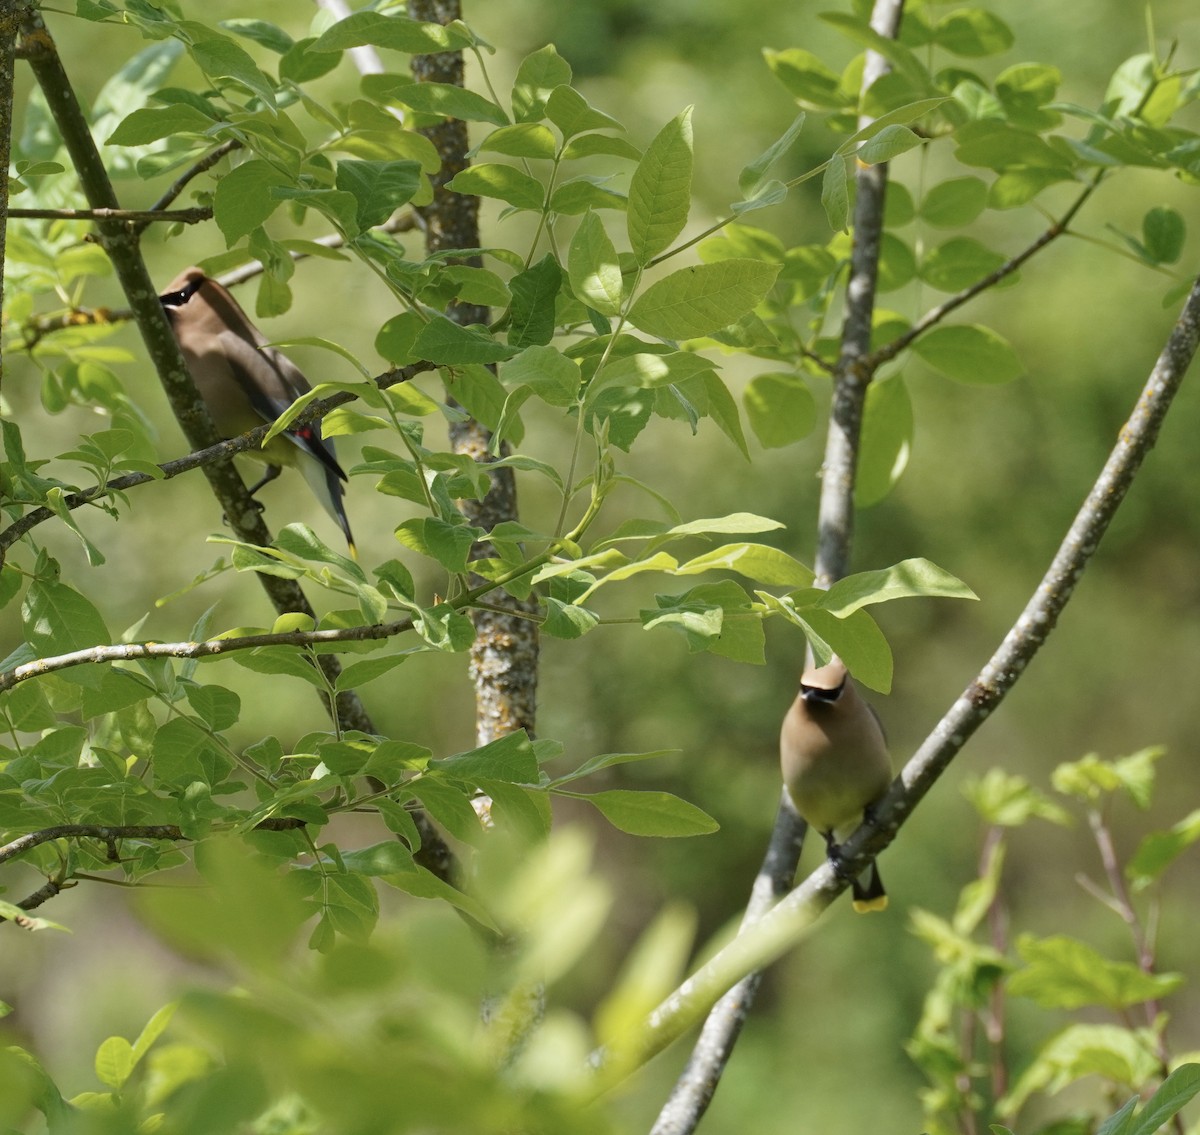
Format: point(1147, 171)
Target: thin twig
point(935, 315)
point(402, 222)
point(184, 216)
point(195, 170)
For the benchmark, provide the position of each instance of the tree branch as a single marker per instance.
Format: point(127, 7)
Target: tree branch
point(775, 933)
point(10, 25)
point(504, 656)
point(184, 216)
point(695, 1088)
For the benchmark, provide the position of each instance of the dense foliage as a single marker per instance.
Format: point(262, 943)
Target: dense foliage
point(619, 322)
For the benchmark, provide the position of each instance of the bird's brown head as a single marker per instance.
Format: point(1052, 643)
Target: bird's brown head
point(824, 685)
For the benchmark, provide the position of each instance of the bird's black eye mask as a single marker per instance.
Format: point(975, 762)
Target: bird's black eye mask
point(179, 298)
point(821, 695)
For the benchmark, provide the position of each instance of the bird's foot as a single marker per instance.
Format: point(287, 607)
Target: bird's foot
point(254, 501)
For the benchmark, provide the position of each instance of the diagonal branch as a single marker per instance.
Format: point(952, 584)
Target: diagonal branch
point(195, 170)
point(778, 931)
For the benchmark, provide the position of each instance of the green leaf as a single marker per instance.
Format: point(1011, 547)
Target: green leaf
point(606, 760)
point(915, 578)
point(58, 619)
point(605, 145)
point(885, 442)
point(856, 639)
point(650, 813)
point(221, 58)
point(835, 193)
point(566, 620)
point(279, 660)
point(114, 1062)
point(269, 35)
point(1163, 235)
point(538, 75)
point(1005, 800)
point(753, 174)
point(890, 142)
point(736, 523)
point(1159, 850)
point(593, 267)
point(155, 1027)
point(395, 32)
point(149, 124)
point(703, 298)
point(951, 204)
point(379, 188)
point(572, 114)
point(972, 32)
point(969, 353)
point(534, 292)
point(445, 99)
point(449, 544)
point(243, 199)
point(648, 371)
point(1064, 973)
point(218, 706)
point(577, 195)
point(660, 190)
point(505, 183)
point(780, 407)
point(808, 79)
point(510, 759)
point(901, 57)
point(1176, 1091)
point(759, 562)
point(302, 65)
point(524, 140)
point(547, 372)
point(444, 341)
point(958, 263)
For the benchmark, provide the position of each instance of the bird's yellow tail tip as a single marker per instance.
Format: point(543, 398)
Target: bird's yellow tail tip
point(871, 905)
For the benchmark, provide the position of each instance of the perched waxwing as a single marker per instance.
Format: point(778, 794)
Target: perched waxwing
point(245, 383)
point(835, 764)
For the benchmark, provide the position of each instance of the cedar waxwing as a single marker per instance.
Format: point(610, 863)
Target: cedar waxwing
point(245, 383)
point(835, 764)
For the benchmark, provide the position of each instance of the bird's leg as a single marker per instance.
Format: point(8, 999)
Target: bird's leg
point(833, 853)
point(272, 472)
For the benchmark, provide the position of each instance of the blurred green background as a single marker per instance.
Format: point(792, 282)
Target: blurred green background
point(995, 476)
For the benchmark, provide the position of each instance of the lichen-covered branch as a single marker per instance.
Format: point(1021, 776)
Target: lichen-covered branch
point(505, 653)
point(11, 16)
